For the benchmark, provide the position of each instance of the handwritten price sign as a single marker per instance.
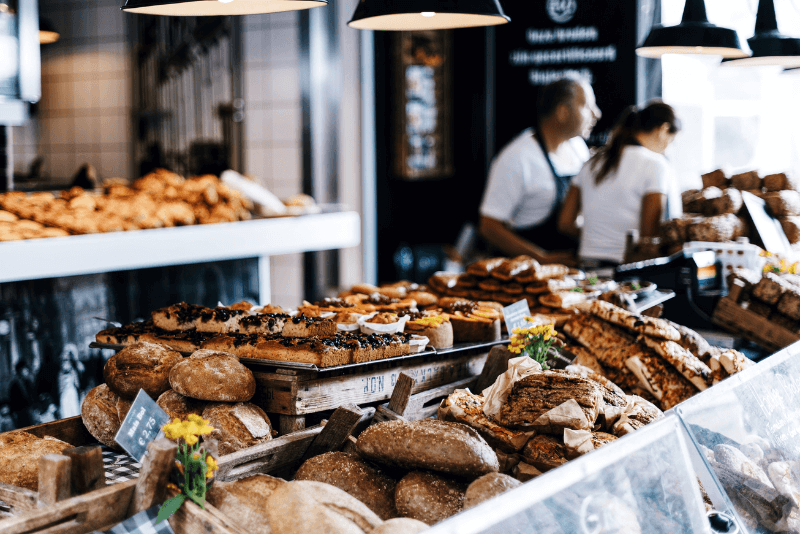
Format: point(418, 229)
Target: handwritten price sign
point(141, 426)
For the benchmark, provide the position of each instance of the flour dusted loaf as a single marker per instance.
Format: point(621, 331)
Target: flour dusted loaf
point(100, 412)
point(429, 497)
point(19, 457)
point(238, 426)
point(140, 366)
point(428, 444)
point(353, 475)
point(178, 406)
point(401, 525)
point(242, 501)
point(487, 487)
point(304, 506)
point(213, 376)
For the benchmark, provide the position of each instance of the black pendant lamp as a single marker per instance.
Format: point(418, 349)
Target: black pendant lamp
point(410, 15)
point(47, 32)
point(200, 8)
point(694, 35)
point(769, 46)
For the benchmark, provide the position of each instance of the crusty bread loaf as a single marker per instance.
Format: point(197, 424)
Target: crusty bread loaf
point(178, 406)
point(428, 444)
point(19, 457)
point(428, 497)
point(140, 366)
point(545, 452)
point(243, 501)
point(400, 525)
point(100, 414)
point(791, 227)
point(213, 376)
point(714, 179)
point(746, 180)
point(783, 203)
point(487, 487)
point(777, 182)
point(238, 426)
point(353, 475)
point(305, 506)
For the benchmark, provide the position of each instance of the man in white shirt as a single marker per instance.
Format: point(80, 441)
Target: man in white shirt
point(529, 178)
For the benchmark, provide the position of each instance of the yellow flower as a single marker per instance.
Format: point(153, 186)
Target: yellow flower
point(196, 455)
point(189, 430)
point(212, 466)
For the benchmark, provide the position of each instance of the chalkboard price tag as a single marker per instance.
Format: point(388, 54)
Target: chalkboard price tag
point(141, 426)
point(515, 315)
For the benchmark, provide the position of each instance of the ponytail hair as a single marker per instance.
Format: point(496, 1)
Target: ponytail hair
point(632, 122)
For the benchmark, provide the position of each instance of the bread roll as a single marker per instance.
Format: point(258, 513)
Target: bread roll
point(746, 180)
point(140, 366)
point(242, 501)
point(714, 179)
point(303, 507)
point(213, 376)
point(777, 182)
point(351, 474)
point(401, 525)
point(428, 497)
point(100, 415)
point(19, 457)
point(237, 426)
point(179, 407)
point(428, 444)
point(487, 487)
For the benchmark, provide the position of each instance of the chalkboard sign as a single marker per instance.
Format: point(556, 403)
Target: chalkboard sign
point(546, 39)
point(515, 315)
point(141, 426)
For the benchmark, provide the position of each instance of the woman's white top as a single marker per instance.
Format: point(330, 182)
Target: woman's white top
point(614, 207)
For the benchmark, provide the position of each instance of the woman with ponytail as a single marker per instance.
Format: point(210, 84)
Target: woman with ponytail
point(624, 186)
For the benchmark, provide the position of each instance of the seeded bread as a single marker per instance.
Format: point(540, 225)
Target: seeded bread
point(19, 457)
point(213, 376)
point(181, 316)
point(237, 426)
point(487, 487)
point(140, 366)
point(429, 497)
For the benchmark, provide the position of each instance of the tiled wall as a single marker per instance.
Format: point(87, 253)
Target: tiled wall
point(84, 113)
point(273, 126)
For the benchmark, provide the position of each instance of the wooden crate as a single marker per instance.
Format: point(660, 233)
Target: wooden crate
point(731, 316)
point(295, 393)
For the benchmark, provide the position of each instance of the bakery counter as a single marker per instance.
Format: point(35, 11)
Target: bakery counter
point(121, 251)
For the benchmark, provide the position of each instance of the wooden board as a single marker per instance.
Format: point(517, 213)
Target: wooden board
point(299, 393)
point(70, 430)
point(752, 326)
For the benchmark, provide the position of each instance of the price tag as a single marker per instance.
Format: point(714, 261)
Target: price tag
point(141, 426)
point(515, 315)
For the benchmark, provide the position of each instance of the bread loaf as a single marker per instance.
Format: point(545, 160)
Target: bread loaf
point(100, 415)
point(428, 444)
point(428, 497)
point(545, 452)
point(487, 487)
point(140, 366)
point(770, 288)
point(746, 180)
point(213, 376)
point(791, 227)
point(179, 407)
point(783, 203)
point(789, 303)
point(400, 525)
point(730, 201)
point(352, 475)
point(719, 228)
point(715, 178)
point(305, 506)
point(19, 457)
point(777, 182)
point(237, 426)
point(243, 501)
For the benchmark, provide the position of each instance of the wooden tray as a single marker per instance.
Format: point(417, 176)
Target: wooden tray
point(733, 317)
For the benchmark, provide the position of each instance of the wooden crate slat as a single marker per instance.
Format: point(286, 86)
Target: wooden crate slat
point(191, 519)
point(752, 326)
point(19, 498)
point(69, 430)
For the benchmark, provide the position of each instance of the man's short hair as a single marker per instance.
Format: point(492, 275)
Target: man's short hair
point(552, 95)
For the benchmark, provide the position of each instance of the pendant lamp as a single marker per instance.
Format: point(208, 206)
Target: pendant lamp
point(769, 46)
point(694, 35)
point(200, 8)
point(47, 32)
point(410, 15)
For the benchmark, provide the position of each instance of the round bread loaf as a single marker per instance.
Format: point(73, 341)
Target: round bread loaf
point(487, 487)
point(305, 506)
point(351, 474)
point(19, 457)
point(213, 376)
point(243, 501)
point(237, 426)
point(401, 525)
point(428, 497)
point(100, 412)
point(179, 407)
point(140, 366)
point(428, 444)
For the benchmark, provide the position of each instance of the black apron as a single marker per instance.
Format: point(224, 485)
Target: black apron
point(546, 234)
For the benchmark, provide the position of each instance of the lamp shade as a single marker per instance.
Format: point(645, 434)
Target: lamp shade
point(199, 8)
point(694, 35)
point(769, 46)
point(409, 15)
point(47, 32)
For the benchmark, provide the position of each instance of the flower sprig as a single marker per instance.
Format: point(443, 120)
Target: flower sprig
point(534, 341)
point(194, 464)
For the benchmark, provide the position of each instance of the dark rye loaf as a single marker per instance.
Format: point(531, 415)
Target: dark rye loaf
point(428, 444)
point(540, 392)
point(428, 497)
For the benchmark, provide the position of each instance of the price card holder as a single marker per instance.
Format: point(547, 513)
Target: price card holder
point(515, 315)
point(141, 426)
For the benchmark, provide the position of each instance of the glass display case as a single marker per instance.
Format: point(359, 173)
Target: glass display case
point(642, 483)
point(747, 430)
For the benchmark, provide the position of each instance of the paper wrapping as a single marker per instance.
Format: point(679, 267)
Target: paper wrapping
point(567, 415)
point(578, 442)
point(497, 393)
